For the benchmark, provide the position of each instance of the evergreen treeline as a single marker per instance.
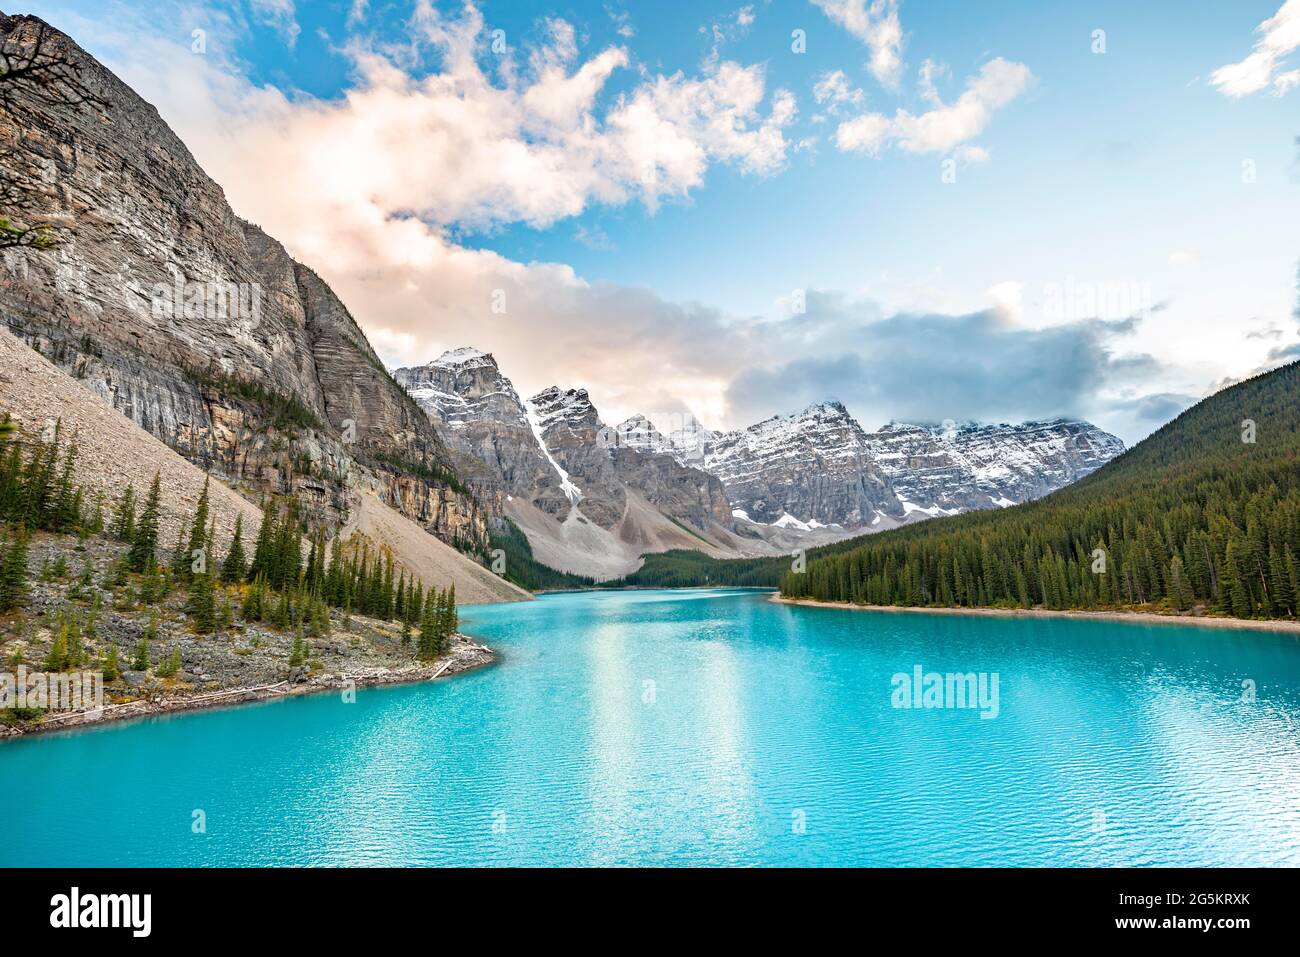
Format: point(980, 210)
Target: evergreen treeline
point(684, 568)
point(281, 583)
point(36, 487)
point(1204, 512)
point(276, 583)
point(36, 493)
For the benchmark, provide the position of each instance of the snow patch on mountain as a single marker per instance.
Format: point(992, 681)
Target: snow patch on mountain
point(539, 420)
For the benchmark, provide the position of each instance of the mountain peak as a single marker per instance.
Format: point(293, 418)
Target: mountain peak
point(638, 432)
point(554, 405)
point(463, 357)
point(833, 406)
point(553, 393)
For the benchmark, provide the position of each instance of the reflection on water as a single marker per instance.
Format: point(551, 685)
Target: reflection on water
point(710, 727)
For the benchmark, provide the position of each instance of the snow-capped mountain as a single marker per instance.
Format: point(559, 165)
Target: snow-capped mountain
point(686, 442)
point(959, 467)
point(813, 465)
point(549, 464)
point(593, 499)
point(818, 467)
point(463, 386)
point(482, 419)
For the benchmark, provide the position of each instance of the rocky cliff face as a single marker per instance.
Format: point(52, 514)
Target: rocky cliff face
point(570, 431)
point(483, 421)
point(195, 323)
point(588, 452)
point(552, 451)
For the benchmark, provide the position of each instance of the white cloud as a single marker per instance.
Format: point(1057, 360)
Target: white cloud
point(383, 176)
point(1279, 36)
point(875, 23)
point(930, 71)
point(622, 23)
point(945, 127)
point(280, 15)
point(455, 147)
point(863, 134)
point(1008, 301)
point(833, 89)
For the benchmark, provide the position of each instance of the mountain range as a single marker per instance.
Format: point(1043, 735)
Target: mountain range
point(593, 499)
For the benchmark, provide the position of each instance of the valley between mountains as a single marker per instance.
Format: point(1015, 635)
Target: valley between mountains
point(593, 499)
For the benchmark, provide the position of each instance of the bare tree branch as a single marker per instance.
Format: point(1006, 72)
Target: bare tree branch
point(34, 67)
point(39, 70)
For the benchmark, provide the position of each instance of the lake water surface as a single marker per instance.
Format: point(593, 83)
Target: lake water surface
point(710, 728)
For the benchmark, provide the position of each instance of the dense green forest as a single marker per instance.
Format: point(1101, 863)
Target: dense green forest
point(1205, 512)
point(520, 565)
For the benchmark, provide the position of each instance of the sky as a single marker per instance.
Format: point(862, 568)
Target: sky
point(991, 211)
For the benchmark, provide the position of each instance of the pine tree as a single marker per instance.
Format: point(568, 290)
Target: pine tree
point(262, 558)
point(1180, 592)
point(198, 540)
point(202, 604)
point(153, 587)
point(14, 572)
point(254, 607)
point(1279, 583)
point(57, 658)
point(450, 620)
point(225, 613)
point(426, 645)
point(235, 567)
point(110, 669)
point(281, 619)
point(76, 651)
point(144, 545)
point(1239, 598)
point(170, 665)
point(124, 519)
point(298, 654)
point(180, 557)
point(140, 662)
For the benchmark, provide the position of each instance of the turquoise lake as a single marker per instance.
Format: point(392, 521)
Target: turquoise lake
point(710, 728)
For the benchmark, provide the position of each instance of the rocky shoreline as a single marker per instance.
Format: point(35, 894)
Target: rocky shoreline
point(1144, 617)
point(465, 655)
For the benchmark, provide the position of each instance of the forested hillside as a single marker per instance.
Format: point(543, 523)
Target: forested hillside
point(680, 568)
point(1204, 515)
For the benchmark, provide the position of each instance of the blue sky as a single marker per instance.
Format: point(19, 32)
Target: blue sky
point(798, 238)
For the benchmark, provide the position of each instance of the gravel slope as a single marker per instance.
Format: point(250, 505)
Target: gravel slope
point(115, 452)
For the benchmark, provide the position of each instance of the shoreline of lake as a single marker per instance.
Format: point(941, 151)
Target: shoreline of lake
point(466, 655)
point(1144, 617)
